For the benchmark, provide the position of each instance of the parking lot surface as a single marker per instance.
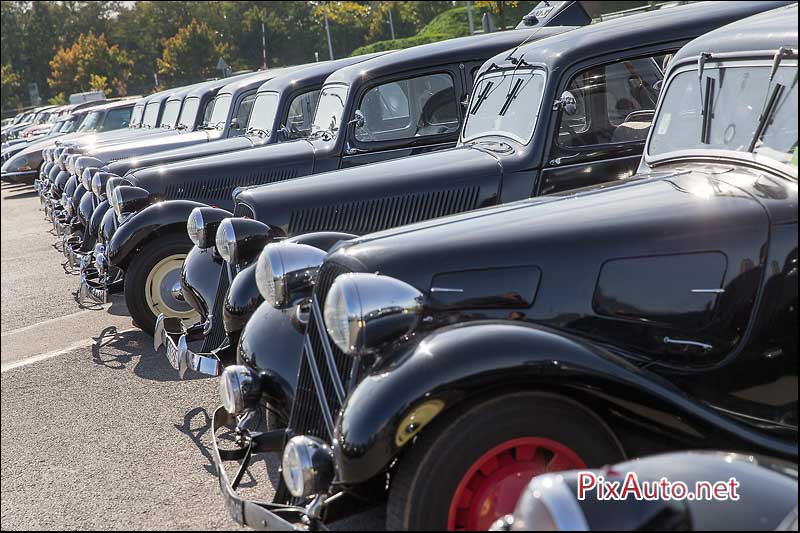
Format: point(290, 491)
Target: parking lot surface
point(98, 432)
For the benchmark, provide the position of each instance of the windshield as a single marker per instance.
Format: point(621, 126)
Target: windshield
point(151, 114)
point(262, 118)
point(136, 117)
point(189, 112)
point(169, 118)
point(736, 97)
point(91, 121)
point(70, 125)
point(506, 104)
point(329, 109)
point(219, 115)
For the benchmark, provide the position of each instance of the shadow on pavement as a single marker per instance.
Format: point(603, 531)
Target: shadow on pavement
point(117, 350)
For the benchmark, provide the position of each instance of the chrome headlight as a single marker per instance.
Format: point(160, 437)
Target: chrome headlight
point(111, 184)
point(87, 176)
point(126, 199)
point(285, 269)
point(366, 311)
point(240, 240)
point(307, 466)
point(203, 223)
point(239, 389)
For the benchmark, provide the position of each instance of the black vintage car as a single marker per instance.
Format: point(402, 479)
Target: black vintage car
point(198, 115)
point(568, 111)
point(414, 93)
point(730, 492)
point(436, 365)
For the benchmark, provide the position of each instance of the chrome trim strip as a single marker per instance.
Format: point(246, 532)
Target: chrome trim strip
point(444, 289)
point(708, 291)
point(680, 342)
point(326, 347)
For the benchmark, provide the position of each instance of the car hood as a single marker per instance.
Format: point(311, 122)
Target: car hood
point(380, 195)
point(91, 141)
point(185, 151)
point(148, 144)
point(212, 179)
point(643, 215)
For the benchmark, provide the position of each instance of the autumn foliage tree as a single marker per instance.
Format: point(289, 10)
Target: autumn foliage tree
point(191, 54)
point(90, 64)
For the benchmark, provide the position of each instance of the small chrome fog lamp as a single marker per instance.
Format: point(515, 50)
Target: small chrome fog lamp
point(307, 466)
point(239, 389)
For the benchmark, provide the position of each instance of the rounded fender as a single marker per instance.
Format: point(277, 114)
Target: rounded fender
point(153, 220)
point(242, 300)
point(324, 240)
point(272, 344)
point(200, 277)
point(470, 360)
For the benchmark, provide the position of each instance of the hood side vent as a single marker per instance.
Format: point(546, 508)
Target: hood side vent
point(221, 187)
point(366, 216)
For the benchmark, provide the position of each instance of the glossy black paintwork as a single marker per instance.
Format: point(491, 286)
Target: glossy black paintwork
point(242, 300)
point(199, 284)
point(130, 235)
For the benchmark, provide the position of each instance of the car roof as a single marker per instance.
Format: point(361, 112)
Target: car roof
point(447, 51)
point(766, 32)
point(210, 86)
point(313, 74)
point(129, 102)
point(665, 25)
point(253, 80)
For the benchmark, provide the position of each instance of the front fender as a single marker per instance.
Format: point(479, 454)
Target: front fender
point(272, 343)
point(242, 300)
point(153, 220)
point(464, 362)
point(200, 277)
point(95, 224)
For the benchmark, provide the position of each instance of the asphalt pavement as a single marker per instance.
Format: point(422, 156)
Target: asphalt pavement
point(97, 430)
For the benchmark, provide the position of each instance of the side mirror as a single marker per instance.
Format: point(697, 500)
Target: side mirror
point(235, 124)
point(530, 19)
point(359, 119)
point(567, 103)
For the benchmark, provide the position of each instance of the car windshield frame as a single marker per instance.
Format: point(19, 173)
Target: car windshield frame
point(136, 116)
point(92, 120)
point(759, 157)
point(270, 101)
point(189, 111)
point(222, 106)
point(171, 114)
point(333, 126)
point(150, 115)
point(511, 75)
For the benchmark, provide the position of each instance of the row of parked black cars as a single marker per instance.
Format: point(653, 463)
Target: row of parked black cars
point(427, 276)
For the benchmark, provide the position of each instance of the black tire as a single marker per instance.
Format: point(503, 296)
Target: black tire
point(423, 486)
point(139, 269)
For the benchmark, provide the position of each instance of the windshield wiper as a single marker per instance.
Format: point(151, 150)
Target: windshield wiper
point(481, 98)
point(512, 95)
point(768, 109)
point(707, 112)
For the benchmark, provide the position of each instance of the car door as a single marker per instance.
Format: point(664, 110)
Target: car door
point(601, 137)
point(406, 115)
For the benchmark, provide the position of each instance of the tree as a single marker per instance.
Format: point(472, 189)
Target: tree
point(191, 54)
point(11, 82)
point(90, 63)
point(499, 8)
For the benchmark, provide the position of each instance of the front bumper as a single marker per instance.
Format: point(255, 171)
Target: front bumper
point(170, 332)
point(261, 516)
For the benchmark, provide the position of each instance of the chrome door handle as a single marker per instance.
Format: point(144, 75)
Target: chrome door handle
point(680, 342)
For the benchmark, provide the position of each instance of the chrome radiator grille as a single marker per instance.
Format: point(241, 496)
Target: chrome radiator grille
point(326, 374)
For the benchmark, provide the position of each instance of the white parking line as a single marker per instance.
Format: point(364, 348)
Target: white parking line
point(49, 321)
point(49, 355)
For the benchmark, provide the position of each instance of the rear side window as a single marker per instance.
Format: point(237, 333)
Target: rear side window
point(614, 103)
point(301, 114)
point(405, 109)
point(117, 118)
point(243, 114)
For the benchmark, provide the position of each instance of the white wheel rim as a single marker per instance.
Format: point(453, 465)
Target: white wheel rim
point(165, 273)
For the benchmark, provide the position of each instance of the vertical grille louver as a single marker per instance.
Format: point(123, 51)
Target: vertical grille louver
point(216, 336)
point(219, 188)
point(308, 413)
point(366, 216)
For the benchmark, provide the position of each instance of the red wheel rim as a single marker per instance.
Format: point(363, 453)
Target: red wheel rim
point(491, 487)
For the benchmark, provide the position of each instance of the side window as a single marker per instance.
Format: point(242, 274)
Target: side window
point(615, 103)
point(301, 114)
point(406, 109)
point(243, 114)
point(117, 118)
